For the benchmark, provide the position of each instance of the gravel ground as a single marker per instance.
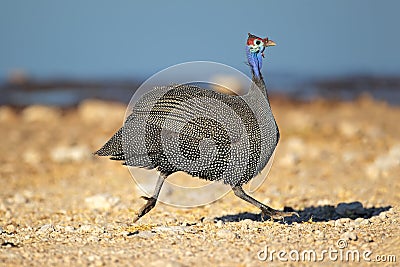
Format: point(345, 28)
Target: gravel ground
point(337, 165)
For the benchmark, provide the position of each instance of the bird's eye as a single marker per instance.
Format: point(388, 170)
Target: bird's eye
point(257, 42)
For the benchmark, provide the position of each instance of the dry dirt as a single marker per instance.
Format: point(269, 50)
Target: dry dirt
point(60, 205)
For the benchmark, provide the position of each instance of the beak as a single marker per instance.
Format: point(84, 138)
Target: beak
point(270, 43)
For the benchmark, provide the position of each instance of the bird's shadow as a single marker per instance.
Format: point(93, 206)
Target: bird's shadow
point(352, 210)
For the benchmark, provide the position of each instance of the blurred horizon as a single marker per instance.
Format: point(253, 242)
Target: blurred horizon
point(128, 40)
point(95, 39)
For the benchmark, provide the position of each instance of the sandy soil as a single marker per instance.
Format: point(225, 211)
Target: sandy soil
point(60, 205)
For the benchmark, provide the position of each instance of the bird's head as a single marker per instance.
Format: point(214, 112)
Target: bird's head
point(255, 52)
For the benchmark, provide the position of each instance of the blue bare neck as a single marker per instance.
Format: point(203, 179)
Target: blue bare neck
point(255, 61)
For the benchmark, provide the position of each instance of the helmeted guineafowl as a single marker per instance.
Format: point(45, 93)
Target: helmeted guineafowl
point(178, 128)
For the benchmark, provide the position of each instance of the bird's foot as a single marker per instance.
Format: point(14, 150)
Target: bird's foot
point(276, 214)
point(151, 202)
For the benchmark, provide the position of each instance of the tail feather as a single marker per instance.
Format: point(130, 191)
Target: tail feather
point(113, 147)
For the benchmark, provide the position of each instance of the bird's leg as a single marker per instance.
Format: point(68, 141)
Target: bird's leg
point(265, 210)
point(151, 201)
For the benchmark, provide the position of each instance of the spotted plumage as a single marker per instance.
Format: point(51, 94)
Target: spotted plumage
point(204, 133)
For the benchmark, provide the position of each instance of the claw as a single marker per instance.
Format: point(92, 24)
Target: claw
point(151, 202)
point(277, 214)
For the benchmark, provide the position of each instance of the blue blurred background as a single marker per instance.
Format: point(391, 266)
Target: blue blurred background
point(95, 40)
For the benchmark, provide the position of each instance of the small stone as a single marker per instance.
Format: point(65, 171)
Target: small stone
point(349, 236)
point(207, 220)
point(323, 202)
point(91, 258)
point(331, 223)
point(368, 239)
point(350, 209)
point(28, 194)
point(85, 228)
point(321, 235)
point(390, 211)
point(59, 228)
point(47, 228)
point(352, 224)
point(344, 220)
point(247, 224)
point(69, 229)
point(375, 219)
point(101, 202)
point(382, 216)
point(352, 236)
point(365, 222)
point(338, 223)
point(10, 228)
point(226, 234)
point(358, 221)
point(219, 224)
